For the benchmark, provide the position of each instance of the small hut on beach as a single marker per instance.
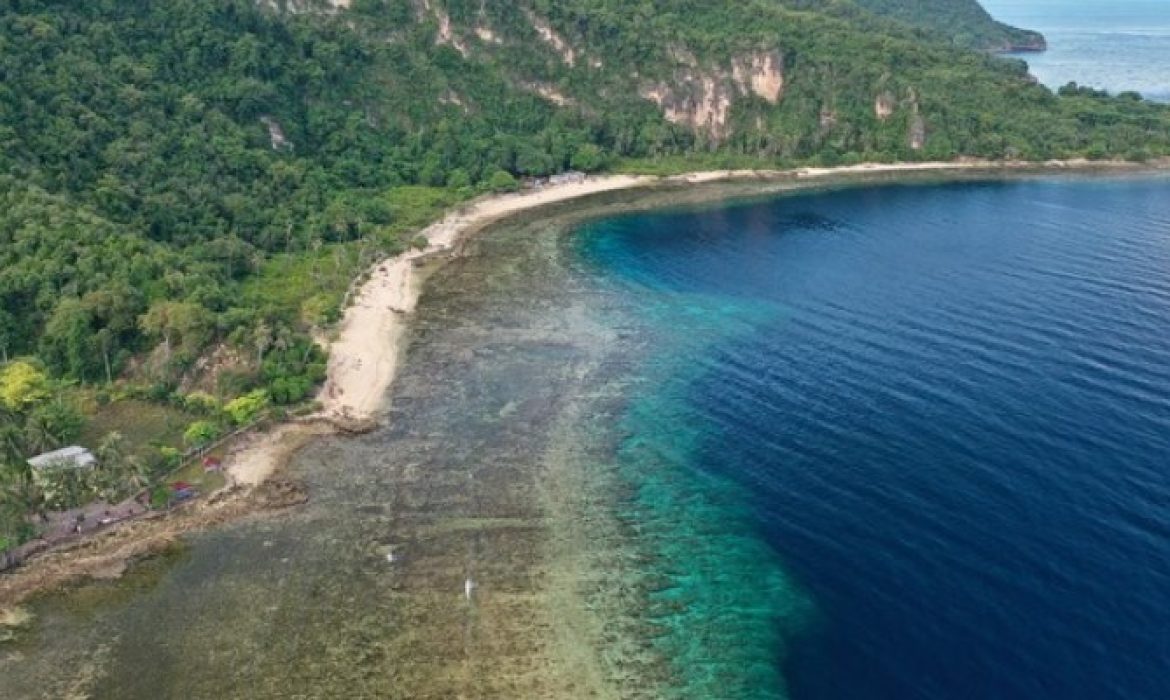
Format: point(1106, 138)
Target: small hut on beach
point(572, 177)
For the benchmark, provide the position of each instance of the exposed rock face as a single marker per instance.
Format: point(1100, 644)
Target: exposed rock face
point(917, 132)
point(301, 6)
point(1033, 42)
point(446, 34)
point(884, 105)
point(487, 36)
point(550, 37)
point(276, 134)
point(550, 93)
point(828, 118)
point(917, 135)
point(701, 101)
point(702, 98)
point(450, 97)
point(762, 73)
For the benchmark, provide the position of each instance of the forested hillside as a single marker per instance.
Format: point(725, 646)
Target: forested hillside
point(187, 187)
point(965, 22)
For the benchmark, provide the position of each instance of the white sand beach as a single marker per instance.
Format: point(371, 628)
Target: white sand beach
point(363, 359)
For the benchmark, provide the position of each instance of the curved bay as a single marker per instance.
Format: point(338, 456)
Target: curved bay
point(897, 441)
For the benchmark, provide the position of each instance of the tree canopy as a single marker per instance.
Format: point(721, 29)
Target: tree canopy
point(188, 187)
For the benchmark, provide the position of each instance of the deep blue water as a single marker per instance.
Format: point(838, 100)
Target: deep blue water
point(1112, 44)
point(907, 441)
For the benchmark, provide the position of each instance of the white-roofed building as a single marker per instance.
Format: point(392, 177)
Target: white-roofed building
point(74, 457)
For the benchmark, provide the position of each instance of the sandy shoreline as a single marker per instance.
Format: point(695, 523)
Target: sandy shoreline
point(364, 358)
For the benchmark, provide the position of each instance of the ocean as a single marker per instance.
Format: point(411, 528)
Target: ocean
point(879, 441)
point(1107, 44)
point(945, 410)
point(882, 441)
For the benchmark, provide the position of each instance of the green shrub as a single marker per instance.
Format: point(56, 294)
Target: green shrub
point(169, 458)
point(502, 181)
point(202, 403)
point(201, 433)
point(247, 408)
point(588, 157)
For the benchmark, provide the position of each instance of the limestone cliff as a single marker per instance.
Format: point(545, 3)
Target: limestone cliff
point(702, 98)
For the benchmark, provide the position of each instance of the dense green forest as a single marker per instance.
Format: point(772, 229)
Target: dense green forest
point(187, 188)
point(965, 22)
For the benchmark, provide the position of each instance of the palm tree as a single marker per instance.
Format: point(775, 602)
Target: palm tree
point(76, 487)
point(136, 475)
point(112, 456)
point(11, 441)
point(51, 425)
point(262, 338)
point(105, 341)
point(39, 435)
point(18, 489)
point(68, 488)
point(283, 338)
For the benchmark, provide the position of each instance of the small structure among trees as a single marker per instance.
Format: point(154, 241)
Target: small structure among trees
point(72, 458)
point(64, 477)
point(572, 177)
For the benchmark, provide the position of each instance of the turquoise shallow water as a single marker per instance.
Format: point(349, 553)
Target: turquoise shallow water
point(882, 442)
point(723, 605)
point(905, 441)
